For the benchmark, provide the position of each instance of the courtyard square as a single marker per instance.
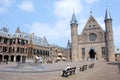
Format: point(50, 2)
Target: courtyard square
point(101, 71)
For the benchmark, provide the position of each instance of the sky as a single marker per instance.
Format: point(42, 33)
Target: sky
point(51, 18)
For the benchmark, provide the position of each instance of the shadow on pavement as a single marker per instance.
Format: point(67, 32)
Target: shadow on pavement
point(115, 63)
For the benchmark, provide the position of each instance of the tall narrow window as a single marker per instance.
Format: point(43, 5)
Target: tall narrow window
point(100, 37)
point(0, 48)
point(103, 51)
point(18, 49)
point(83, 53)
point(0, 39)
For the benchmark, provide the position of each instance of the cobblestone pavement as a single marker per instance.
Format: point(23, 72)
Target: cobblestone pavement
point(101, 71)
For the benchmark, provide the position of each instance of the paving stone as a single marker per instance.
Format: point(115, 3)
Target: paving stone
point(101, 71)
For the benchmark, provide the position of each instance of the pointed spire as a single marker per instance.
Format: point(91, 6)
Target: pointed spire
point(68, 45)
point(73, 20)
point(107, 15)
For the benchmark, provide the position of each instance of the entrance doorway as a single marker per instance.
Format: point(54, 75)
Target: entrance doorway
point(0, 57)
point(18, 58)
point(92, 54)
point(6, 57)
point(12, 58)
point(23, 58)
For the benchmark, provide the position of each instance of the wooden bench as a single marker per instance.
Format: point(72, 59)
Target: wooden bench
point(83, 68)
point(68, 72)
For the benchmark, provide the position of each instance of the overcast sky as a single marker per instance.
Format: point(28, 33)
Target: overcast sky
point(51, 18)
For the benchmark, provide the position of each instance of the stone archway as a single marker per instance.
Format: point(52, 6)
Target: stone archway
point(6, 57)
point(0, 57)
point(12, 58)
point(18, 58)
point(23, 59)
point(92, 54)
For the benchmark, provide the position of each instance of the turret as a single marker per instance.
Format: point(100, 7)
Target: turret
point(109, 37)
point(74, 37)
point(74, 25)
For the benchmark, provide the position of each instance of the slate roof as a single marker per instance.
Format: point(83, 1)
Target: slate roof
point(41, 41)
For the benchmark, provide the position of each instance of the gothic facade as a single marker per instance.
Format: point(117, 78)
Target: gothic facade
point(93, 43)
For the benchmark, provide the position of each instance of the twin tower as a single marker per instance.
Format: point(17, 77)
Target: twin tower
point(93, 43)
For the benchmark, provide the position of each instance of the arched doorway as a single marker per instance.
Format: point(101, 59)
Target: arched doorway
point(0, 57)
point(6, 57)
point(18, 58)
point(12, 58)
point(92, 55)
point(23, 59)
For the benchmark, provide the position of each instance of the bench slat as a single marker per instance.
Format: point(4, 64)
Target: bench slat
point(68, 72)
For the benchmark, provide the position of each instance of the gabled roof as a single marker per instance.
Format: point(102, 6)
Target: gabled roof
point(4, 29)
point(92, 23)
point(4, 32)
point(22, 35)
point(39, 41)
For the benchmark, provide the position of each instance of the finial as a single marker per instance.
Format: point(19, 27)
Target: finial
point(107, 14)
point(106, 6)
point(73, 20)
point(90, 12)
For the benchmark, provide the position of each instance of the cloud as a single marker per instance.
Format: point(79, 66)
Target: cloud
point(59, 32)
point(100, 21)
point(116, 29)
point(116, 32)
point(3, 10)
point(81, 24)
point(53, 34)
point(91, 1)
point(63, 8)
point(27, 5)
point(4, 5)
point(5, 2)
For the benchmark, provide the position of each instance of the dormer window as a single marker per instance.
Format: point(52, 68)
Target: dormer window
point(20, 35)
point(89, 25)
point(93, 25)
point(117, 49)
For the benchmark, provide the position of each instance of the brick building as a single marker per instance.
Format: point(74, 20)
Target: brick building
point(117, 54)
point(15, 47)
